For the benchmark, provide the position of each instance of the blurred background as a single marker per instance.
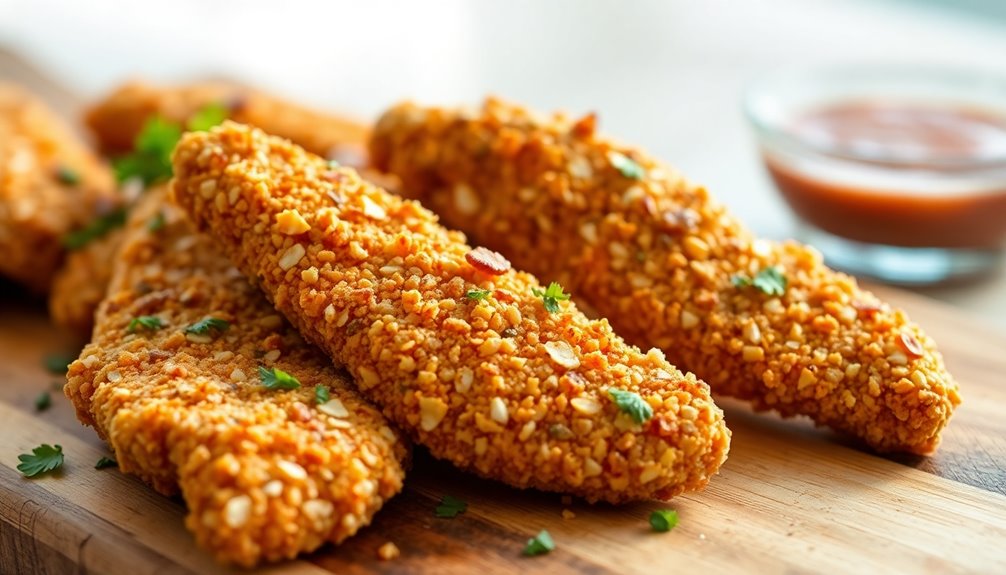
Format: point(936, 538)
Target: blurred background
point(667, 75)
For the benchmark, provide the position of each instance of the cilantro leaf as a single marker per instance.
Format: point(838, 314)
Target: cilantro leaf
point(769, 281)
point(631, 403)
point(42, 459)
point(539, 544)
point(626, 165)
point(450, 506)
point(67, 176)
point(274, 379)
point(551, 296)
point(94, 230)
point(663, 520)
point(207, 117)
point(43, 401)
point(477, 294)
point(321, 395)
point(106, 462)
point(58, 362)
point(207, 325)
point(147, 322)
point(150, 159)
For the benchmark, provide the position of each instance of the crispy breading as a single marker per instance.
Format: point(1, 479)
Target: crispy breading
point(266, 474)
point(50, 185)
point(118, 118)
point(81, 283)
point(669, 266)
point(489, 380)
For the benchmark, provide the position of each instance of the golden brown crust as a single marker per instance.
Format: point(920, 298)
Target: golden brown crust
point(38, 207)
point(81, 283)
point(496, 385)
point(658, 256)
point(265, 474)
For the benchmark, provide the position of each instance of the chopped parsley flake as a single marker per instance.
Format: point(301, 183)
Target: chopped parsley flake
point(539, 544)
point(147, 322)
point(67, 176)
point(150, 159)
point(94, 230)
point(43, 401)
point(769, 281)
point(477, 294)
point(210, 324)
point(631, 403)
point(42, 459)
point(626, 165)
point(156, 223)
point(663, 520)
point(208, 116)
point(321, 395)
point(450, 506)
point(58, 363)
point(106, 462)
point(551, 296)
point(274, 379)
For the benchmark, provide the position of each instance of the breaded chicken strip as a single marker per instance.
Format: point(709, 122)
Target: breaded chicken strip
point(465, 353)
point(178, 379)
point(80, 285)
point(670, 267)
point(51, 186)
point(118, 118)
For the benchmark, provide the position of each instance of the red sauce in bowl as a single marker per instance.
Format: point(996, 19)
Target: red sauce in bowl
point(908, 174)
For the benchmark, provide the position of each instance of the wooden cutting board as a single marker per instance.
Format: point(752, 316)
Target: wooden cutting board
point(791, 498)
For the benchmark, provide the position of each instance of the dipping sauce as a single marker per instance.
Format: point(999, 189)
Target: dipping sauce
point(908, 174)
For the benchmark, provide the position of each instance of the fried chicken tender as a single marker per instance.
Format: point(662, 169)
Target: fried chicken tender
point(266, 474)
point(50, 185)
point(670, 267)
point(453, 344)
point(80, 285)
point(119, 117)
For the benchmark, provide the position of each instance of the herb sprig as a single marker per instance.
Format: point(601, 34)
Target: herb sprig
point(551, 296)
point(98, 228)
point(450, 506)
point(42, 459)
point(145, 322)
point(663, 520)
point(540, 544)
point(769, 281)
point(631, 403)
point(208, 325)
point(274, 379)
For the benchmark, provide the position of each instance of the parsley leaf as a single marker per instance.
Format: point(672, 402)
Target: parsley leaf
point(43, 401)
point(274, 379)
point(321, 395)
point(551, 296)
point(207, 117)
point(58, 362)
point(450, 506)
point(67, 176)
point(106, 462)
point(147, 322)
point(663, 520)
point(150, 159)
point(477, 294)
point(42, 459)
point(156, 223)
point(210, 324)
point(94, 230)
point(769, 281)
point(631, 403)
point(539, 544)
point(626, 165)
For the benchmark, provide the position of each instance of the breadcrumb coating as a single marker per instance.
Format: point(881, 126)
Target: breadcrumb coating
point(50, 186)
point(470, 363)
point(660, 258)
point(81, 283)
point(266, 474)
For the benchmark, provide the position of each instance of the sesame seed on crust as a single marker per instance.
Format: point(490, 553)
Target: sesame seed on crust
point(265, 474)
point(657, 256)
point(389, 303)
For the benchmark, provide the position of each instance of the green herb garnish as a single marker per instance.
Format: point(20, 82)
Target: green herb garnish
point(94, 230)
point(67, 176)
point(539, 544)
point(321, 395)
point(626, 165)
point(274, 379)
point(210, 324)
point(106, 462)
point(43, 401)
point(208, 116)
point(450, 506)
point(42, 459)
point(156, 223)
point(769, 281)
point(150, 159)
point(147, 322)
point(663, 520)
point(477, 294)
point(551, 296)
point(58, 363)
point(631, 403)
